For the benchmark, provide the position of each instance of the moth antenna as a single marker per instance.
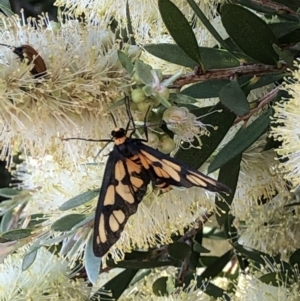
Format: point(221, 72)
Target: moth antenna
point(113, 119)
point(9, 46)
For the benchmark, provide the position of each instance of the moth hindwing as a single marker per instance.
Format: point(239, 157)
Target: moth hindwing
point(130, 167)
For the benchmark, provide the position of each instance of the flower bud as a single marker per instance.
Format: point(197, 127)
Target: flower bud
point(166, 144)
point(138, 95)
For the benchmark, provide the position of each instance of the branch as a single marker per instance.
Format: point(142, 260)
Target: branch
point(266, 99)
point(228, 73)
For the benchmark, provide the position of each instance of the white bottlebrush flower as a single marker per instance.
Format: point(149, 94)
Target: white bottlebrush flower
point(286, 129)
point(145, 16)
point(53, 183)
point(142, 290)
point(272, 228)
point(250, 288)
point(48, 278)
point(83, 78)
point(258, 179)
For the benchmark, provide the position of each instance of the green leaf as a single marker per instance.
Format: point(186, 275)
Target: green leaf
point(67, 222)
point(79, 200)
point(295, 258)
point(129, 26)
point(117, 104)
point(160, 286)
point(16, 234)
point(171, 53)
point(216, 267)
point(207, 287)
point(214, 233)
point(91, 262)
point(241, 141)
point(36, 219)
point(210, 88)
point(9, 192)
point(250, 33)
point(196, 157)
point(183, 99)
point(282, 278)
point(207, 89)
point(207, 24)
point(143, 72)
point(30, 257)
point(263, 80)
point(206, 261)
point(6, 8)
point(197, 247)
point(285, 54)
point(6, 220)
point(180, 30)
point(228, 175)
point(261, 258)
point(233, 98)
point(115, 286)
point(125, 62)
point(212, 58)
point(215, 291)
point(138, 264)
point(179, 250)
point(281, 29)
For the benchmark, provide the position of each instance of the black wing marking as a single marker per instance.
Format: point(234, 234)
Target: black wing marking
point(165, 171)
point(123, 188)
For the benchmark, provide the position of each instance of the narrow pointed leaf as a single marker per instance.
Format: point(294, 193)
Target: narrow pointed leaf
point(30, 257)
point(208, 25)
point(138, 264)
point(67, 222)
point(260, 257)
point(160, 286)
point(228, 175)
point(233, 98)
point(79, 200)
point(91, 262)
point(180, 29)
point(115, 286)
point(212, 58)
point(125, 61)
point(8, 192)
point(210, 88)
point(250, 33)
point(216, 268)
point(295, 258)
point(143, 72)
point(179, 250)
point(241, 141)
point(6, 220)
point(16, 234)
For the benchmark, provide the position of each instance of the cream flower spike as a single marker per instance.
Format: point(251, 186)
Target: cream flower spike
point(83, 78)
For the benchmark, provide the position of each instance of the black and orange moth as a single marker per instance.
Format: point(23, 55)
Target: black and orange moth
point(130, 167)
point(28, 53)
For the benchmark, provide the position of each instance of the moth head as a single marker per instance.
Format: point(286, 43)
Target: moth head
point(118, 133)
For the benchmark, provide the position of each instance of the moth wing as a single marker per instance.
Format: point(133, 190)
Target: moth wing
point(124, 186)
point(166, 171)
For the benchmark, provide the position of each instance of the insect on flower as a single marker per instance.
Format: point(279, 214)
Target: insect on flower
point(130, 167)
point(29, 54)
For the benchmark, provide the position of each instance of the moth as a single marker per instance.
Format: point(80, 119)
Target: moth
point(130, 167)
point(27, 52)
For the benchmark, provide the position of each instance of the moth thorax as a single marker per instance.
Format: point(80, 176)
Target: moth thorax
point(118, 133)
